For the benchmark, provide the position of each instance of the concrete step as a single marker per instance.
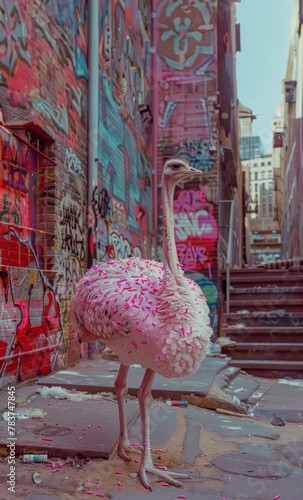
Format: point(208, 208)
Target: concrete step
point(267, 334)
point(268, 292)
point(270, 368)
point(265, 351)
point(290, 305)
point(275, 318)
point(263, 277)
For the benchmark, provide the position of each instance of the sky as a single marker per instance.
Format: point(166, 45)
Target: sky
point(262, 62)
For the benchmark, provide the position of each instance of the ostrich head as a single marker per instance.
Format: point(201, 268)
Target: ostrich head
point(177, 170)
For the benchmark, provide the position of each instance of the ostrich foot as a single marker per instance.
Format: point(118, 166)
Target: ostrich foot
point(123, 451)
point(169, 477)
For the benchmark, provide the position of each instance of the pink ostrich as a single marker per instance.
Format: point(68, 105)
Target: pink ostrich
point(150, 314)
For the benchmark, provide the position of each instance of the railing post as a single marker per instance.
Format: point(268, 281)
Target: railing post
point(229, 254)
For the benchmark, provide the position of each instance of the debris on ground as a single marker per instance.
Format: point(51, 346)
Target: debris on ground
point(25, 413)
point(61, 393)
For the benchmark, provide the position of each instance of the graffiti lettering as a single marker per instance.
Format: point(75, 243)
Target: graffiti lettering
point(13, 37)
point(120, 247)
point(118, 213)
point(100, 203)
point(72, 162)
point(191, 256)
point(196, 230)
point(72, 238)
point(196, 152)
point(190, 225)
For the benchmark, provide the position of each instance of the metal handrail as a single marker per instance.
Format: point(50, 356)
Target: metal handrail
point(229, 251)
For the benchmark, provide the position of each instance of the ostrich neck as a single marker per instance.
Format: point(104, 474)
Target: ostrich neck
point(169, 244)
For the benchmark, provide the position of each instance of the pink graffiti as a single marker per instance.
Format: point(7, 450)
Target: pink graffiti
point(196, 230)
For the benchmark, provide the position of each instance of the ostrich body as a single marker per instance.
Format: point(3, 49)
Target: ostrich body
point(148, 313)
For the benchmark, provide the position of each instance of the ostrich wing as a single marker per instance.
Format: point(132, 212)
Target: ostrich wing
point(114, 297)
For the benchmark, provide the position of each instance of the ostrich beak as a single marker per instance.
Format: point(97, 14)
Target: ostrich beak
point(195, 172)
point(189, 175)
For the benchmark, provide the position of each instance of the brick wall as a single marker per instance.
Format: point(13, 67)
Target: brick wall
point(43, 209)
point(187, 128)
point(44, 214)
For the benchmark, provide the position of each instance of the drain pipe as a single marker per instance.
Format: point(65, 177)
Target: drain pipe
point(155, 111)
point(93, 112)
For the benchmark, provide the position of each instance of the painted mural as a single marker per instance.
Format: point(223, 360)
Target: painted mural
point(29, 310)
point(120, 214)
point(43, 80)
point(188, 128)
point(196, 233)
point(196, 230)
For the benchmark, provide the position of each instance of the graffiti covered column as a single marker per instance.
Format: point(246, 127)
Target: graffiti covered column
point(187, 128)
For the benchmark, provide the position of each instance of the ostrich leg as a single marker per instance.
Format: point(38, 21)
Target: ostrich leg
point(145, 400)
point(121, 391)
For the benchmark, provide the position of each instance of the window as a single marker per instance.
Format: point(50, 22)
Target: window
point(256, 198)
point(269, 163)
point(256, 175)
point(255, 164)
point(263, 174)
point(270, 185)
point(256, 187)
point(263, 164)
point(263, 209)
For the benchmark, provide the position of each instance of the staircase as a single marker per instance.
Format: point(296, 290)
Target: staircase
point(265, 321)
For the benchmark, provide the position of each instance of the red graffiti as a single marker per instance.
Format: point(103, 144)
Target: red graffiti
point(196, 230)
point(29, 311)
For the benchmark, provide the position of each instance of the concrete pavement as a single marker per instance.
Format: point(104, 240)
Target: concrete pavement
point(225, 456)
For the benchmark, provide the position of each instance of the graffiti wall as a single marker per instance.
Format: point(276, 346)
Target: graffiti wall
point(196, 233)
point(187, 128)
point(43, 207)
point(29, 310)
point(120, 212)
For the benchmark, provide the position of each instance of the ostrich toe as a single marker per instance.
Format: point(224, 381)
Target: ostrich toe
point(169, 477)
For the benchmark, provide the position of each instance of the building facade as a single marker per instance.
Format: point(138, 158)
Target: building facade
point(292, 235)
point(58, 214)
point(94, 97)
point(265, 234)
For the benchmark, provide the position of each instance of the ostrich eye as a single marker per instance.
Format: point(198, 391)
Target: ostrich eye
point(176, 166)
